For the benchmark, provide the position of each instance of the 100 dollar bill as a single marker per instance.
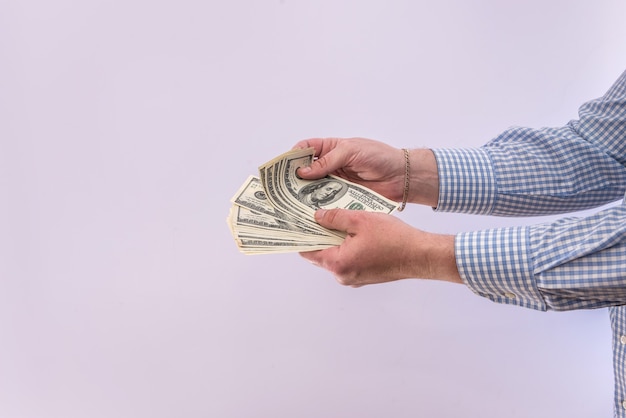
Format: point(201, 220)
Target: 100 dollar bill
point(273, 213)
point(286, 189)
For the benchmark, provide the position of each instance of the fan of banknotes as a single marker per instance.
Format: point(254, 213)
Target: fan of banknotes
point(273, 212)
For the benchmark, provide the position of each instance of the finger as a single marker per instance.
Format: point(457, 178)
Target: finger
point(337, 219)
point(326, 163)
point(316, 143)
point(312, 256)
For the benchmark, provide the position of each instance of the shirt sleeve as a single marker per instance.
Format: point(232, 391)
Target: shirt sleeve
point(572, 263)
point(529, 172)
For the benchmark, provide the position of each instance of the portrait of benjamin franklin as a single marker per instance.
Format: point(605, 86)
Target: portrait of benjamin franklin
point(321, 193)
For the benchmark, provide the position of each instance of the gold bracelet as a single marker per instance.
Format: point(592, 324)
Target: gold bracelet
point(407, 175)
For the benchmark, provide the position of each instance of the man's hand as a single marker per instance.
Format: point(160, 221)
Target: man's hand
point(381, 248)
point(375, 165)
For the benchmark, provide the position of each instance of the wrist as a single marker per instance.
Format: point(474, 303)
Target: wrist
point(424, 178)
point(435, 258)
point(443, 260)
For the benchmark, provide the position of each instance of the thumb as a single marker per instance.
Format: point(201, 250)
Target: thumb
point(337, 219)
point(324, 165)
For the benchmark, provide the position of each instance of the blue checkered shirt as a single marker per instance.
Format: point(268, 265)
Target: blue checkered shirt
point(576, 262)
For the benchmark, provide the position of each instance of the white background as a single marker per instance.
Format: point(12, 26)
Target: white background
point(127, 126)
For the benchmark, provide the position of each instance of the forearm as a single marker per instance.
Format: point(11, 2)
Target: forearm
point(571, 263)
point(528, 172)
point(551, 170)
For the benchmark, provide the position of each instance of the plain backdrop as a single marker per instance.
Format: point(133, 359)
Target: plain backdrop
point(127, 126)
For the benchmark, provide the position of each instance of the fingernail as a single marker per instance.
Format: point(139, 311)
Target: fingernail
point(319, 214)
point(305, 169)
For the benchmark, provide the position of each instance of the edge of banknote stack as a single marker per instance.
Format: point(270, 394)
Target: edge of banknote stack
point(274, 211)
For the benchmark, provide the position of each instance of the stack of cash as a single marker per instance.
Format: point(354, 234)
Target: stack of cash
point(273, 212)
